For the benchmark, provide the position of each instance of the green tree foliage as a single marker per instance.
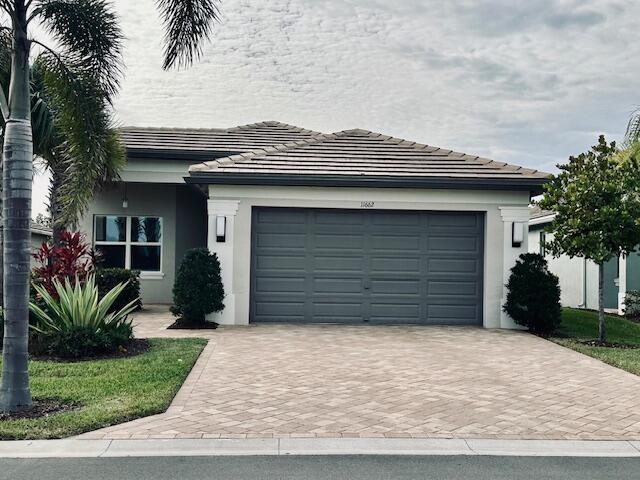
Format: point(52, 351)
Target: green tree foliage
point(198, 289)
point(596, 198)
point(533, 295)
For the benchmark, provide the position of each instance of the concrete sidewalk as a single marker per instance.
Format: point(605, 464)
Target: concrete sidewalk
point(79, 448)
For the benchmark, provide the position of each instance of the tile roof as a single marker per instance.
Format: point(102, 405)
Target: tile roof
point(364, 155)
point(538, 215)
point(201, 144)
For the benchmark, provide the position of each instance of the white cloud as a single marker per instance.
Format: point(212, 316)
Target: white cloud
point(525, 82)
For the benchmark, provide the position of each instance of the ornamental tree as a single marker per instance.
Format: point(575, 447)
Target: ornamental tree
point(596, 198)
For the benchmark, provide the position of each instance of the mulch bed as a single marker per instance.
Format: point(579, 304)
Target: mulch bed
point(182, 324)
point(44, 407)
point(621, 346)
point(137, 346)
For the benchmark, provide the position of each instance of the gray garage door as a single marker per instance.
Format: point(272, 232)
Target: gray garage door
point(377, 266)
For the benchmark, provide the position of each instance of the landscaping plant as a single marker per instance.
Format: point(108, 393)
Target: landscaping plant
point(533, 295)
point(108, 278)
point(198, 289)
point(72, 257)
point(596, 199)
point(77, 323)
point(81, 73)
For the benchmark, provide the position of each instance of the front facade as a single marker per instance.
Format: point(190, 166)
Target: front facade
point(349, 227)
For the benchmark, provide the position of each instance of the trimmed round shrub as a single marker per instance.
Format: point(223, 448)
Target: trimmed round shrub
point(198, 288)
point(108, 278)
point(533, 295)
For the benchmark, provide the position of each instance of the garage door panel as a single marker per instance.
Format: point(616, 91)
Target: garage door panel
point(275, 263)
point(339, 242)
point(452, 288)
point(282, 240)
point(337, 285)
point(453, 265)
point(366, 265)
point(289, 284)
point(401, 265)
point(322, 263)
point(457, 244)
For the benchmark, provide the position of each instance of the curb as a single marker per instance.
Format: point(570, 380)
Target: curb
point(77, 448)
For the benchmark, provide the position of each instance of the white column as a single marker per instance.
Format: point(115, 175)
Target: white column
point(510, 253)
point(224, 251)
point(622, 282)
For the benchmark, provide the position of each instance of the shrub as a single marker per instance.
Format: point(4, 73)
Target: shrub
point(198, 288)
point(76, 323)
point(632, 304)
point(71, 258)
point(108, 278)
point(533, 297)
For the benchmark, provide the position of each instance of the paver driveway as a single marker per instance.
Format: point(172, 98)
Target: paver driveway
point(393, 381)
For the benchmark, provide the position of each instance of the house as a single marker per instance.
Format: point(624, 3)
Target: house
point(39, 234)
point(578, 276)
point(352, 226)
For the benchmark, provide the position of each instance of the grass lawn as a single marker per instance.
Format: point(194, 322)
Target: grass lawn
point(108, 391)
point(581, 325)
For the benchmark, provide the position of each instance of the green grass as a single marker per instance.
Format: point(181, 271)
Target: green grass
point(581, 325)
point(108, 391)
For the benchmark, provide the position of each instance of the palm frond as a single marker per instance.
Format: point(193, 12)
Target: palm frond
point(89, 34)
point(632, 135)
point(89, 148)
point(188, 23)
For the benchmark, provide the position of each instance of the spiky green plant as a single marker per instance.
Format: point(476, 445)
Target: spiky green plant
point(79, 306)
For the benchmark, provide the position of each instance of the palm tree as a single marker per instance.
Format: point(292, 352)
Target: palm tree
point(67, 199)
point(81, 75)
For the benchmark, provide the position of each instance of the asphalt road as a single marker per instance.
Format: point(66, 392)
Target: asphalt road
point(325, 467)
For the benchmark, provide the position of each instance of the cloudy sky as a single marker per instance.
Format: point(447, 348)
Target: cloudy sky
point(527, 82)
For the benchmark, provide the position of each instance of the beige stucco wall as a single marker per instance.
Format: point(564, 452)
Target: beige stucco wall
point(236, 202)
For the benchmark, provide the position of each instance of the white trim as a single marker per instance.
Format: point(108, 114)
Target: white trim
point(127, 243)
point(543, 219)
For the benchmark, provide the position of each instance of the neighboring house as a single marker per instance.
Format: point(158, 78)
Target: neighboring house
point(346, 227)
point(39, 235)
point(579, 277)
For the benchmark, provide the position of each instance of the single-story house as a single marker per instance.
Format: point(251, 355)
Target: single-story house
point(578, 276)
point(352, 226)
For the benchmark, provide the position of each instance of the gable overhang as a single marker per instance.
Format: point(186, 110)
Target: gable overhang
point(533, 185)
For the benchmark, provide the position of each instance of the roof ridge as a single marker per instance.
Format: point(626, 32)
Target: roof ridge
point(271, 123)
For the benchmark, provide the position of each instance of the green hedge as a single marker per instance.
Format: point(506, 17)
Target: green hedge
point(107, 278)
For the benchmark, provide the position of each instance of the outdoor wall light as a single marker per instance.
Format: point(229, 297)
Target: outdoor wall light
point(221, 228)
point(517, 234)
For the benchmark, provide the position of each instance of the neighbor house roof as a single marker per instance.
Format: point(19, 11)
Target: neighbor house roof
point(539, 216)
point(201, 144)
point(363, 158)
point(39, 229)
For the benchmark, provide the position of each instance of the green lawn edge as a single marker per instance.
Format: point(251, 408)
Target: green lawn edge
point(578, 326)
point(107, 391)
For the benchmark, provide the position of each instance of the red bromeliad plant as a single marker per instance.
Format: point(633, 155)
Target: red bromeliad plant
point(72, 257)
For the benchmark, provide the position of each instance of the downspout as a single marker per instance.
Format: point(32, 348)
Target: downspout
point(584, 285)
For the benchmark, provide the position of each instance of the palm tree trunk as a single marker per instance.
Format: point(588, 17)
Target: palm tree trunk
point(601, 331)
point(16, 217)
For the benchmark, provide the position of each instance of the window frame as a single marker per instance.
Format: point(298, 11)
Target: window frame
point(543, 243)
point(128, 243)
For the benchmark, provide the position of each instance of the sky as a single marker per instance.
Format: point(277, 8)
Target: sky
point(528, 82)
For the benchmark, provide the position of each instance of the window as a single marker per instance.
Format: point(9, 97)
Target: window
point(129, 242)
point(543, 244)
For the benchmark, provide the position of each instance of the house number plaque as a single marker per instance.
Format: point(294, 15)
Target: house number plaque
point(367, 204)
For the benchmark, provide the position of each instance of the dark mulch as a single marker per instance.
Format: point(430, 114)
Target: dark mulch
point(621, 346)
point(137, 346)
point(182, 324)
point(44, 407)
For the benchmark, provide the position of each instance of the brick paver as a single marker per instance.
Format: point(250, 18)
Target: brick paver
point(389, 381)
